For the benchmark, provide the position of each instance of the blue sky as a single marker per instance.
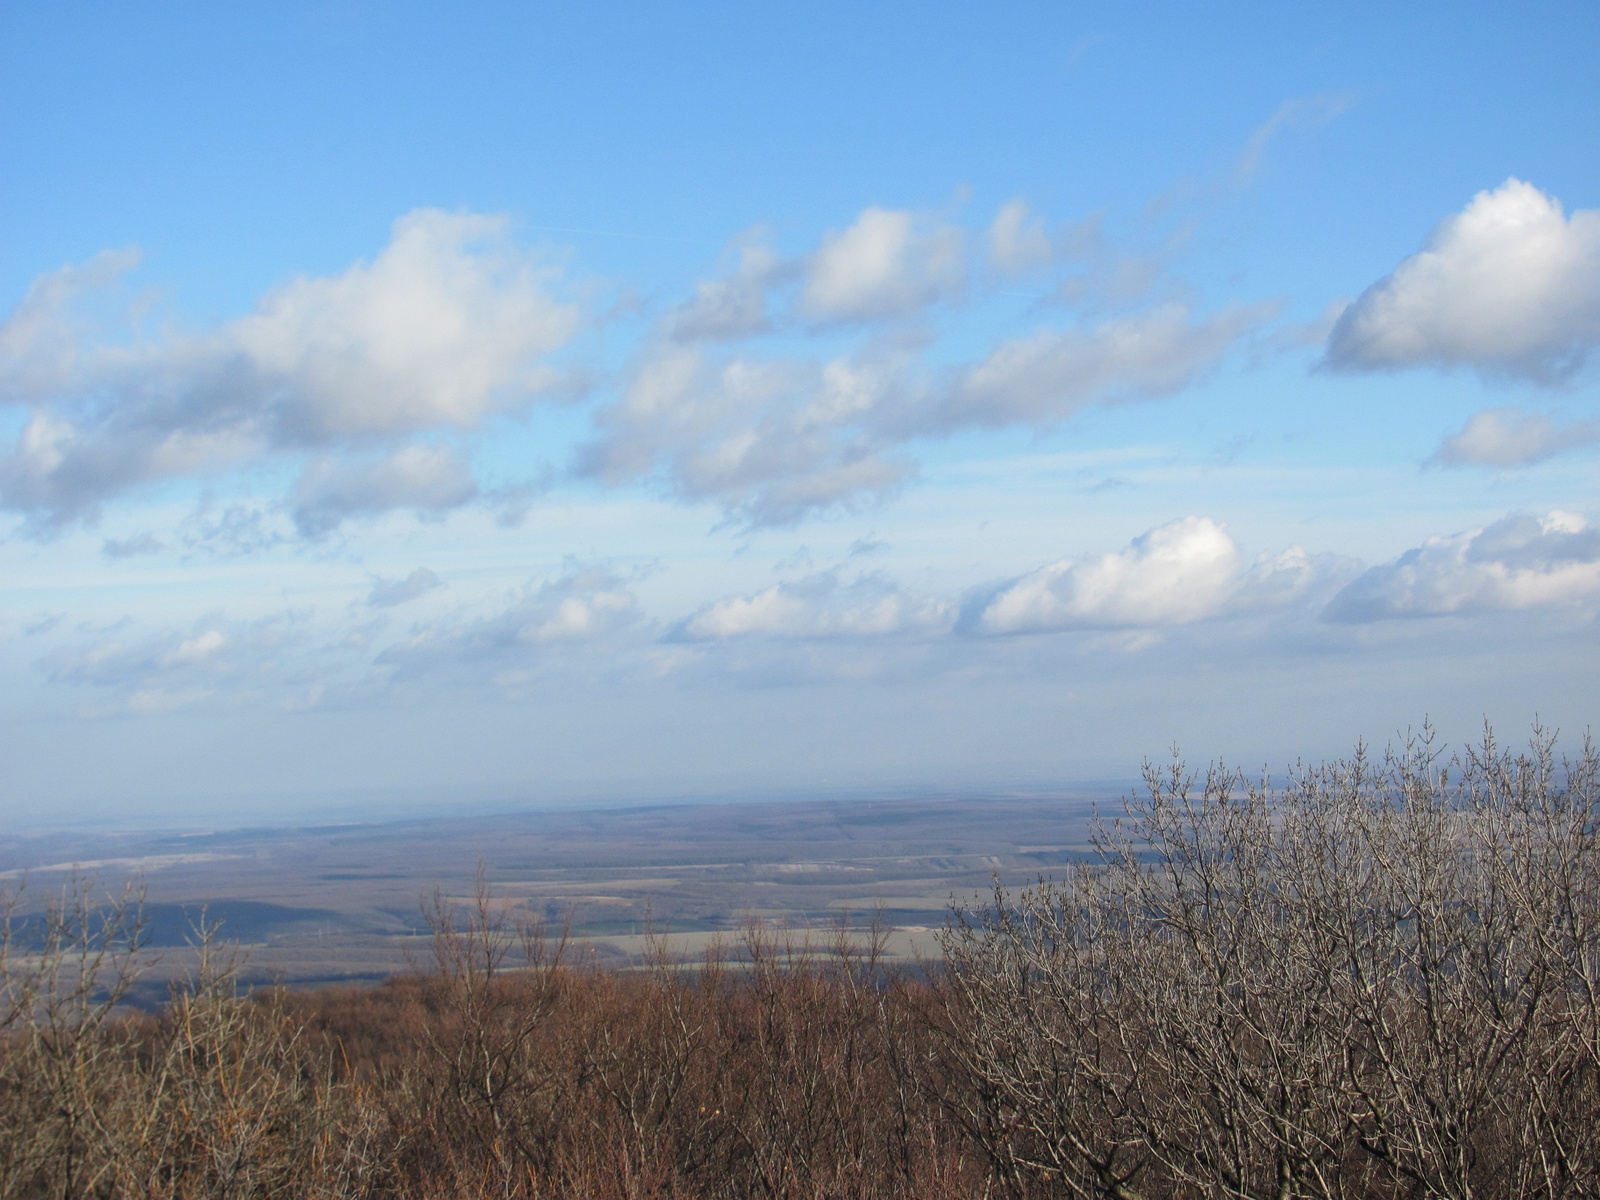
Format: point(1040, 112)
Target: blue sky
point(626, 401)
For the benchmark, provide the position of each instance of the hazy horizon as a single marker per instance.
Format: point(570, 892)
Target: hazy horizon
point(376, 806)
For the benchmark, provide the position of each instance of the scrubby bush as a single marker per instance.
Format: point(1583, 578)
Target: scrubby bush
point(1382, 979)
point(217, 1096)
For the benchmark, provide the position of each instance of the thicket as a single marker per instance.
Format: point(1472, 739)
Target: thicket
point(1381, 979)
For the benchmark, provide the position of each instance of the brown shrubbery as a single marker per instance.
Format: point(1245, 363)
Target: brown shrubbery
point(1380, 980)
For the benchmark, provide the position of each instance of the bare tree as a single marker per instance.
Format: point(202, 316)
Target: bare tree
point(1377, 979)
point(63, 975)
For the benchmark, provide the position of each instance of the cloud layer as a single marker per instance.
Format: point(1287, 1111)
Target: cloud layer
point(774, 433)
point(386, 593)
point(1520, 562)
point(1185, 583)
point(785, 387)
point(1510, 437)
point(213, 658)
point(822, 605)
point(773, 438)
point(1187, 570)
point(1179, 573)
point(428, 480)
point(584, 606)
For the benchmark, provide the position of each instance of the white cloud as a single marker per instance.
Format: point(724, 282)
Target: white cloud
point(163, 671)
point(200, 649)
point(887, 264)
point(1509, 437)
point(227, 664)
point(1519, 562)
point(353, 377)
point(448, 325)
point(585, 605)
point(820, 606)
point(443, 328)
point(1184, 571)
point(1277, 580)
point(771, 442)
point(735, 305)
point(131, 547)
point(238, 529)
point(1017, 239)
point(1046, 377)
point(41, 341)
point(386, 593)
point(1510, 285)
point(428, 480)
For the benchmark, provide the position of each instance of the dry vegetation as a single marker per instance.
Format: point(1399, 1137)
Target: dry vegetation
point(1380, 980)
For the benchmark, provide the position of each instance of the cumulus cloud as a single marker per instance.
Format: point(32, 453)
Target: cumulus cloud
point(1510, 437)
point(585, 605)
point(735, 305)
point(443, 328)
point(1047, 376)
point(447, 325)
point(770, 442)
point(1509, 286)
point(1519, 562)
point(1181, 572)
point(773, 441)
point(215, 658)
point(819, 606)
point(1017, 239)
point(41, 342)
point(1279, 580)
point(428, 480)
point(354, 377)
point(112, 662)
point(1186, 571)
point(386, 593)
point(889, 263)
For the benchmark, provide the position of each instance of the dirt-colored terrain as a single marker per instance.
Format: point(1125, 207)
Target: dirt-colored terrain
point(345, 902)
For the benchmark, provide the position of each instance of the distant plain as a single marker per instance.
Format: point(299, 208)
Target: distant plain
point(345, 903)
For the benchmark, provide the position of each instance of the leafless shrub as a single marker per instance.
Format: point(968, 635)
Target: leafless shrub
point(212, 1099)
point(486, 1083)
point(1379, 980)
point(62, 977)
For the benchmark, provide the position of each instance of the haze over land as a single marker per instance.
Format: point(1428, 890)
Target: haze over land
point(342, 903)
point(407, 410)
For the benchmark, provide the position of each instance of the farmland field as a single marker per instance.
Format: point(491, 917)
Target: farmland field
point(345, 902)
